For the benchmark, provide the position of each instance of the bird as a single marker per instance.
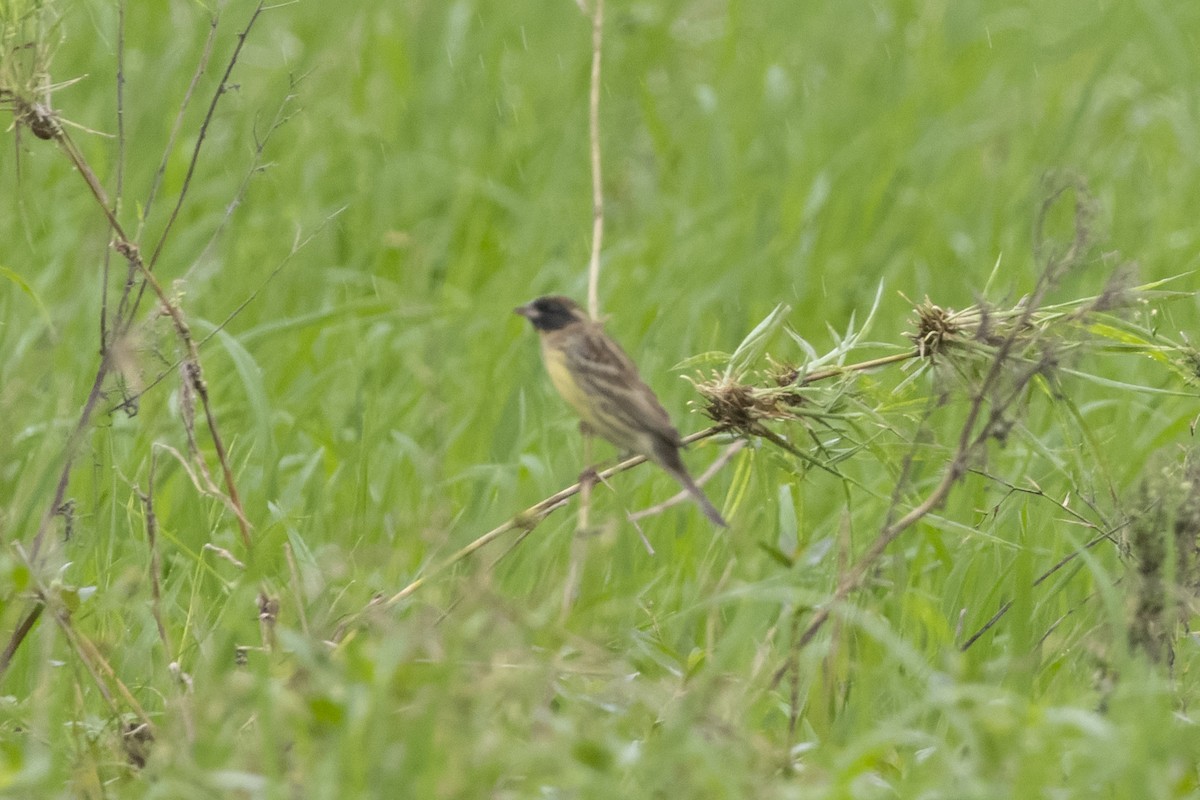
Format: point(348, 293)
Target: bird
point(601, 383)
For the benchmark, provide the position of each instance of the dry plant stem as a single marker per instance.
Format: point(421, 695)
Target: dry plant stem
point(853, 579)
point(833, 372)
point(637, 526)
point(201, 388)
point(682, 496)
point(119, 191)
point(1054, 626)
point(526, 521)
point(1037, 492)
point(282, 114)
point(594, 140)
point(195, 374)
point(130, 252)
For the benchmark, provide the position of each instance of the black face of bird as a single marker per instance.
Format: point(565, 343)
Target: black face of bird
point(551, 313)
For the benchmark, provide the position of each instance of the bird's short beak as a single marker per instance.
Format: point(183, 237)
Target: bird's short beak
point(525, 311)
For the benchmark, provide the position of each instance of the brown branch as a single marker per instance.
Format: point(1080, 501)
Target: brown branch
point(198, 383)
point(194, 375)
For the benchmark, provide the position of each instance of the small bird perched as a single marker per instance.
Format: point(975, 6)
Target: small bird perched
point(597, 379)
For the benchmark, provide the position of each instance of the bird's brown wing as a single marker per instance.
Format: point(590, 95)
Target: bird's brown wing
point(639, 404)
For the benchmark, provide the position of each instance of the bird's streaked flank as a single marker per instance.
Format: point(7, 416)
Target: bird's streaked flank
point(597, 379)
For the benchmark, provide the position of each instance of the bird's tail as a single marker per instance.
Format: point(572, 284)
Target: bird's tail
point(701, 499)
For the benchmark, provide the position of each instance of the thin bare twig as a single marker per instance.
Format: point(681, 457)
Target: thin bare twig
point(701, 479)
point(299, 245)
point(177, 125)
point(201, 134)
point(282, 115)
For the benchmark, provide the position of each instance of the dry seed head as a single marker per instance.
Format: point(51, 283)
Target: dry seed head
point(782, 374)
point(743, 407)
point(934, 325)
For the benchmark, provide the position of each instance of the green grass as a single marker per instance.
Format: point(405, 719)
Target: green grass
point(383, 407)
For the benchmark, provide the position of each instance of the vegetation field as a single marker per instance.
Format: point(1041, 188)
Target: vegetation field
point(286, 497)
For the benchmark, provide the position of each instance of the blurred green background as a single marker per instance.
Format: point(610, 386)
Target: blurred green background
point(383, 406)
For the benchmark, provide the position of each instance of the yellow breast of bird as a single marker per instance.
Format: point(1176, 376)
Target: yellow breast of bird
point(566, 385)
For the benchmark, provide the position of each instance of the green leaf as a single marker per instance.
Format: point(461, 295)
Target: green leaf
point(755, 343)
point(24, 286)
